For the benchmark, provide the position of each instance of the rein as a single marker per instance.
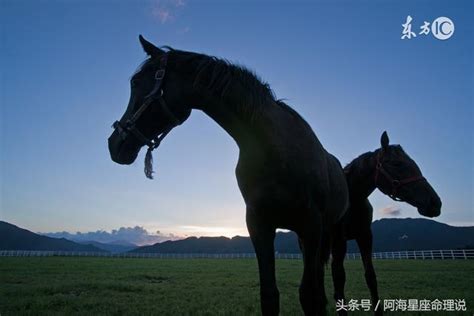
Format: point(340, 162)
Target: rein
point(395, 183)
point(155, 96)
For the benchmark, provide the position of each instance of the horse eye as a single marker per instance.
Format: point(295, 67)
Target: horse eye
point(133, 82)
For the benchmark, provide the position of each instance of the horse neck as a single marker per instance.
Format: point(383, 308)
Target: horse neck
point(360, 175)
point(240, 121)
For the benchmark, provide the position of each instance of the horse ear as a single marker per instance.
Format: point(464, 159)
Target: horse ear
point(384, 141)
point(149, 48)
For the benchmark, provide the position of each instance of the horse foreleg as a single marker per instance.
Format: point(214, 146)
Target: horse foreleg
point(339, 249)
point(365, 247)
point(262, 238)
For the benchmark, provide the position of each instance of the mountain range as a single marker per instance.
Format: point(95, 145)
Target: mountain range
point(15, 238)
point(389, 235)
point(114, 247)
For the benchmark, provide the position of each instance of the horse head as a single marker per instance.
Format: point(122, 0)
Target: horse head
point(398, 176)
point(159, 101)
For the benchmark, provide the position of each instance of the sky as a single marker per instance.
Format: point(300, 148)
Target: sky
point(65, 69)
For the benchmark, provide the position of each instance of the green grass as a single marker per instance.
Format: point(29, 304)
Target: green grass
point(117, 286)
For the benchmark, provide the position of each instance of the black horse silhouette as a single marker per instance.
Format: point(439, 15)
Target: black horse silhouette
point(286, 177)
point(394, 173)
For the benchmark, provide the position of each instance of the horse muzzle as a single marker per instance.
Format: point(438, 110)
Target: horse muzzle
point(432, 209)
point(122, 150)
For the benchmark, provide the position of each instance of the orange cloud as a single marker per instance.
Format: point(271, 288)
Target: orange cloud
point(391, 210)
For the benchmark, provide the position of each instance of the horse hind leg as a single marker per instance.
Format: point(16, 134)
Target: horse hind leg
point(312, 293)
point(339, 249)
point(365, 247)
point(262, 237)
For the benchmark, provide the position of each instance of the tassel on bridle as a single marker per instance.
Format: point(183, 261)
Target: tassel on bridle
point(149, 157)
point(149, 163)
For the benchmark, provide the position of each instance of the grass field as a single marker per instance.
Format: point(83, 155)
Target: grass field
point(116, 286)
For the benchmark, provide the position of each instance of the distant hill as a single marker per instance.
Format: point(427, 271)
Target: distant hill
point(389, 235)
point(115, 247)
point(15, 238)
point(118, 240)
point(236, 244)
point(419, 234)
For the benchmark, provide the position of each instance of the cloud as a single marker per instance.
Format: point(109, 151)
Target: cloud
point(166, 10)
point(184, 30)
point(136, 235)
point(391, 210)
point(211, 231)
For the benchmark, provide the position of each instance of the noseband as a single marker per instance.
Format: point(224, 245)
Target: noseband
point(395, 183)
point(154, 97)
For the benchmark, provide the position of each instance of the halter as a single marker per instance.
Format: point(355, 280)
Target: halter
point(396, 184)
point(156, 95)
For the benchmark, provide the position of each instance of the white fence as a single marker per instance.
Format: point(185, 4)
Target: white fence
point(420, 254)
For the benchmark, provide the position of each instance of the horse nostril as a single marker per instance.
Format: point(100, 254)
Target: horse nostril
point(435, 206)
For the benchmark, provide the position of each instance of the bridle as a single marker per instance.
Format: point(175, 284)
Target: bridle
point(395, 183)
point(155, 96)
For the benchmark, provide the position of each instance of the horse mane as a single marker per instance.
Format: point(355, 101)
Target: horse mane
point(222, 79)
point(361, 161)
point(225, 79)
